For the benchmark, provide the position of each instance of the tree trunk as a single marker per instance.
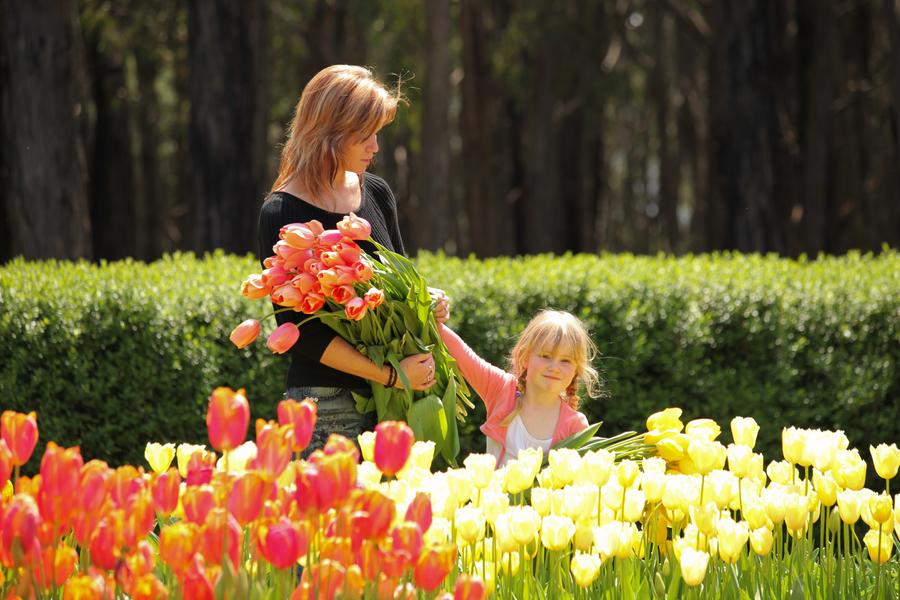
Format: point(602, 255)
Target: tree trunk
point(434, 214)
point(44, 166)
point(746, 186)
point(668, 162)
point(226, 57)
point(891, 218)
point(483, 125)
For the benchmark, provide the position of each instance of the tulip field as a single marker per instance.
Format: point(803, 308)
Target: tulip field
point(368, 518)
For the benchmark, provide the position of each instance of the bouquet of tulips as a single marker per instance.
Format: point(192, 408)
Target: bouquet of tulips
point(380, 305)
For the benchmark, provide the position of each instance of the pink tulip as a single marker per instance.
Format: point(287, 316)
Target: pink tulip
point(393, 443)
point(355, 228)
point(419, 511)
point(374, 298)
point(19, 523)
point(349, 251)
point(315, 227)
point(296, 260)
point(282, 543)
point(275, 276)
point(331, 259)
point(306, 283)
point(327, 277)
point(298, 235)
point(273, 443)
point(283, 338)
point(245, 333)
point(6, 462)
point(287, 295)
point(329, 238)
point(227, 418)
point(355, 309)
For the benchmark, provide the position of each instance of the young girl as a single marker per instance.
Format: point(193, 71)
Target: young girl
point(536, 404)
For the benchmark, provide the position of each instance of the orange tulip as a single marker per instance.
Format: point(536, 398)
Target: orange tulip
point(337, 476)
point(433, 566)
point(195, 581)
point(407, 539)
point(105, 551)
point(328, 577)
point(283, 338)
point(379, 511)
point(283, 542)
point(254, 288)
point(393, 443)
point(273, 448)
point(355, 228)
point(469, 587)
point(298, 235)
point(246, 497)
point(245, 333)
point(148, 587)
point(355, 309)
point(166, 487)
point(197, 501)
point(20, 432)
point(58, 563)
point(213, 537)
point(126, 481)
point(83, 587)
point(60, 483)
point(94, 485)
point(6, 462)
point(19, 530)
point(374, 298)
point(227, 418)
point(302, 416)
point(178, 544)
point(139, 519)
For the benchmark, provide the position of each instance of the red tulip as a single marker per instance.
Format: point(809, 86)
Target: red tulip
point(343, 294)
point(328, 576)
point(20, 432)
point(200, 467)
point(302, 416)
point(283, 543)
point(433, 566)
point(312, 302)
point(125, 482)
point(195, 581)
point(94, 485)
point(355, 228)
point(337, 477)
point(283, 338)
point(139, 519)
point(393, 442)
point(58, 564)
point(379, 511)
point(245, 333)
point(227, 418)
point(246, 497)
point(374, 298)
point(166, 487)
point(419, 511)
point(60, 483)
point(407, 538)
point(273, 443)
point(469, 587)
point(104, 544)
point(19, 529)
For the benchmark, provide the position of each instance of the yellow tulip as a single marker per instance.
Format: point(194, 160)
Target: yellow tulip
point(634, 505)
point(626, 472)
point(732, 536)
point(519, 476)
point(596, 467)
point(565, 463)
point(556, 532)
point(439, 533)
point(367, 474)
point(826, 488)
point(653, 484)
point(159, 456)
point(533, 458)
point(706, 455)
point(183, 454)
point(579, 501)
point(8, 490)
point(705, 517)
point(720, 487)
point(481, 468)
point(704, 429)
point(761, 540)
point(459, 481)
point(796, 512)
point(366, 442)
point(851, 469)
point(781, 472)
point(583, 540)
point(881, 509)
point(421, 455)
point(775, 503)
point(669, 418)
point(693, 566)
point(493, 501)
point(585, 568)
point(897, 514)
point(879, 545)
point(754, 513)
point(792, 441)
point(849, 506)
point(886, 460)
point(671, 449)
point(503, 534)
point(510, 563)
point(524, 522)
point(653, 464)
point(655, 436)
point(744, 431)
point(470, 523)
point(238, 458)
point(540, 500)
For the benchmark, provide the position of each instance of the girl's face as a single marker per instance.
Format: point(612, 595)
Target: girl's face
point(551, 370)
point(358, 154)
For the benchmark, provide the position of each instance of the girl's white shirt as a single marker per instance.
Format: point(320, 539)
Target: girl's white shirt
point(517, 438)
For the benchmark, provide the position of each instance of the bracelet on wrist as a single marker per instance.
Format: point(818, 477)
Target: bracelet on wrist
point(392, 376)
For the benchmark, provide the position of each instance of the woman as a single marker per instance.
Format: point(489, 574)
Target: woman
point(331, 143)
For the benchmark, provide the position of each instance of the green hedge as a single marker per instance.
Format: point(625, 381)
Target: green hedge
point(114, 355)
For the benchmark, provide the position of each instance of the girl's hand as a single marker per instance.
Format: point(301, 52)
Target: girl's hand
point(441, 303)
point(419, 370)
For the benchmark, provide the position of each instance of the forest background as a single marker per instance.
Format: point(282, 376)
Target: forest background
point(141, 128)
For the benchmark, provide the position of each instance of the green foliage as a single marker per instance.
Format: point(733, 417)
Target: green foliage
point(114, 355)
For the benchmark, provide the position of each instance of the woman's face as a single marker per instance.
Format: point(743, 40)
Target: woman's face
point(359, 153)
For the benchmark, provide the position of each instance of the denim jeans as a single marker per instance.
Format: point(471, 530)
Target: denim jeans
point(336, 413)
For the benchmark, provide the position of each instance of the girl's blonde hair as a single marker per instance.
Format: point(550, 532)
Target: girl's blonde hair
point(341, 104)
point(550, 329)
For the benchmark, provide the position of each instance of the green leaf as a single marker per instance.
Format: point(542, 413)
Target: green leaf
point(579, 439)
point(428, 421)
point(364, 404)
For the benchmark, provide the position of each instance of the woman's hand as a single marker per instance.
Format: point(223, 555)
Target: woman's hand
point(419, 370)
point(441, 302)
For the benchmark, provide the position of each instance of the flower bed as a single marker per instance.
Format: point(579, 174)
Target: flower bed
point(252, 520)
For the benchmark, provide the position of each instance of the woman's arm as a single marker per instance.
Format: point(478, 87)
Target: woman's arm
point(340, 355)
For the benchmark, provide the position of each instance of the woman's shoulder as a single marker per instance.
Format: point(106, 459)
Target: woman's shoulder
point(379, 189)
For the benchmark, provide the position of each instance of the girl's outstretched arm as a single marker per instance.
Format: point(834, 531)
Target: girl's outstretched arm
point(487, 380)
